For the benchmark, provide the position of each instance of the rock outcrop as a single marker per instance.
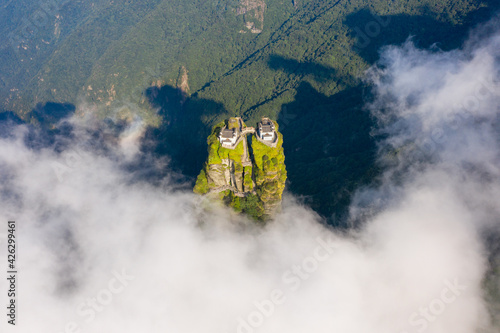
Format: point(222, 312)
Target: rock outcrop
point(249, 175)
point(253, 12)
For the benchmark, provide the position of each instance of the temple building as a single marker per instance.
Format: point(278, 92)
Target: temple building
point(266, 130)
point(228, 137)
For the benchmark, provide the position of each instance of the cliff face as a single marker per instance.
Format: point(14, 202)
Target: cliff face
point(248, 175)
point(269, 173)
point(253, 12)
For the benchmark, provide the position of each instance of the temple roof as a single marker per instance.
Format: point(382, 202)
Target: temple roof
point(227, 133)
point(266, 128)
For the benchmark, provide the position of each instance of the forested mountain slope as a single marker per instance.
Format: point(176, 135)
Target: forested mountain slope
point(188, 64)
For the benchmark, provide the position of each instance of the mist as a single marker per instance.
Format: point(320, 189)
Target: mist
point(100, 249)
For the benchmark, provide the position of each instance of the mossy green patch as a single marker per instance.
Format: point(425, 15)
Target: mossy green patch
point(269, 172)
point(201, 186)
point(247, 178)
point(215, 150)
point(266, 156)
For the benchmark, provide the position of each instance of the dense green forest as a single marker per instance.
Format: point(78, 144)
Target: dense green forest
point(187, 64)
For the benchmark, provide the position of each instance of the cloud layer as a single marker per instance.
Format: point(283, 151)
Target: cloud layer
point(100, 250)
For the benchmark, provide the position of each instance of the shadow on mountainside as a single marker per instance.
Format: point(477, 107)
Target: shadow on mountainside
point(328, 149)
point(182, 135)
point(49, 127)
point(46, 125)
point(320, 72)
point(51, 113)
point(372, 32)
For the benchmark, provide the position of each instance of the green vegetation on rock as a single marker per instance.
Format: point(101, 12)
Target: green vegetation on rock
point(248, 178)
point(201, 186)
point(269, 172)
